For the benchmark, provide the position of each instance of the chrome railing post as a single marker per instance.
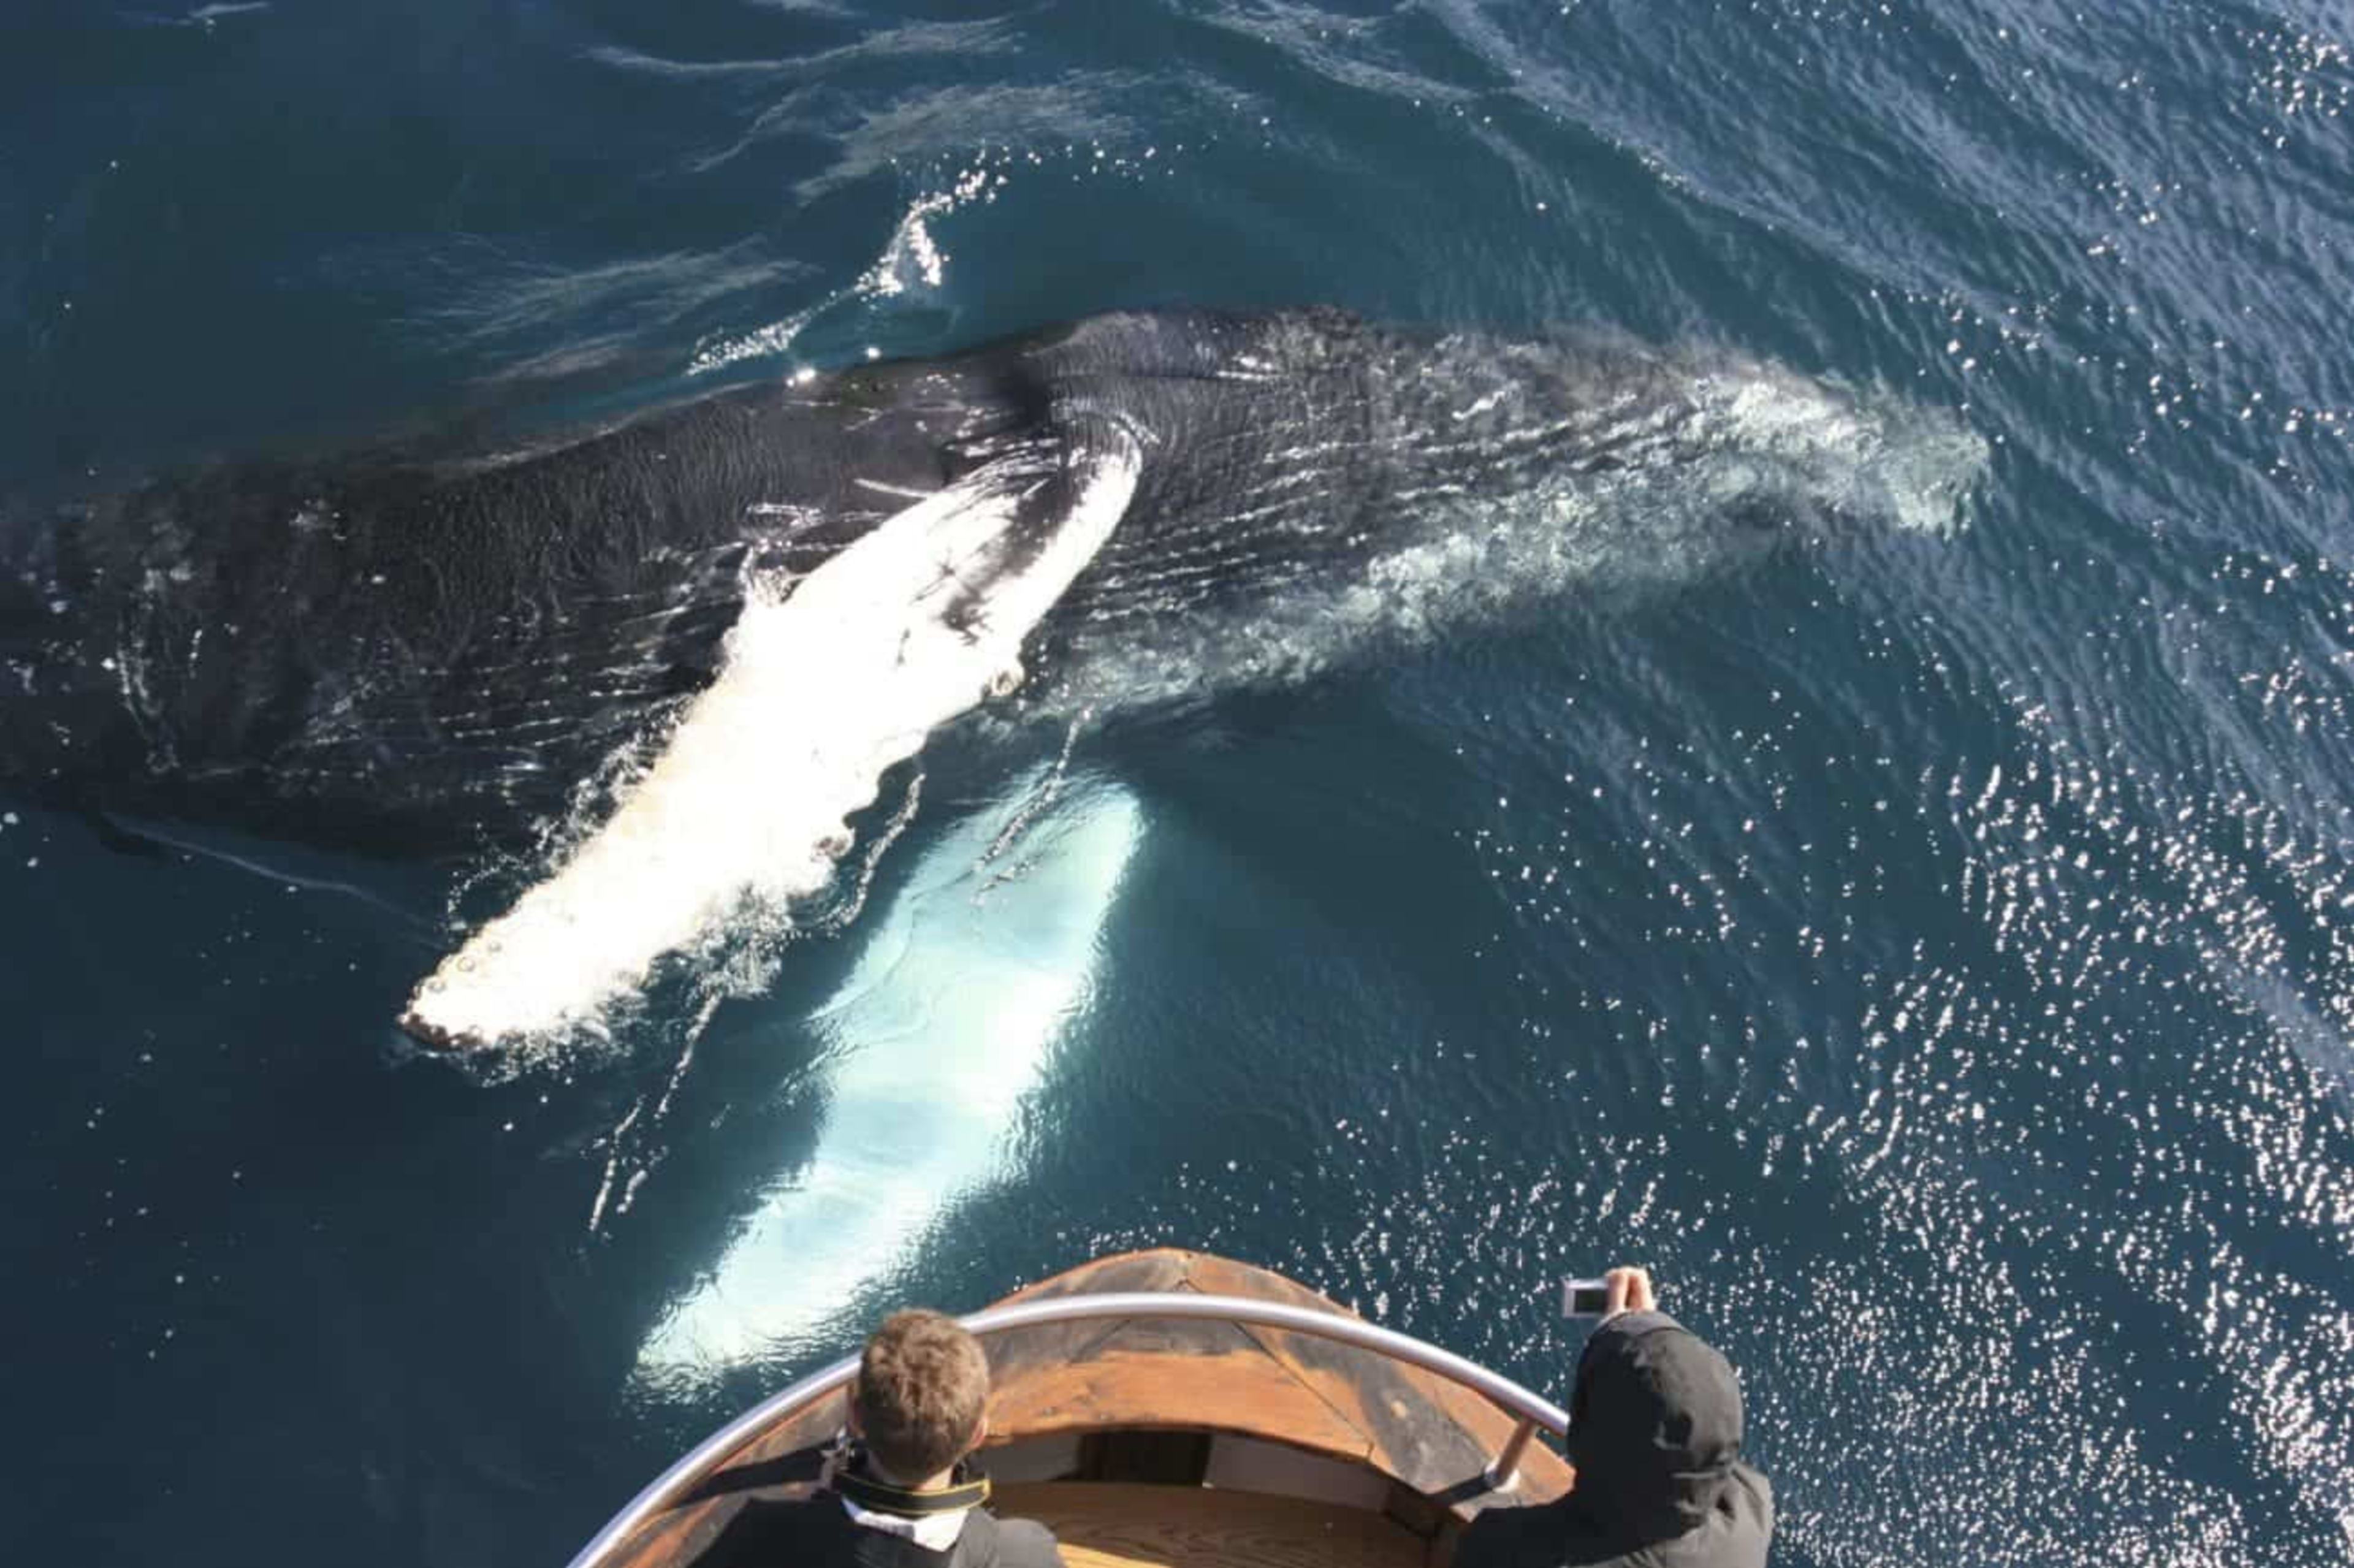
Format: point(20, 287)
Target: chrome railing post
point(1506, 1467)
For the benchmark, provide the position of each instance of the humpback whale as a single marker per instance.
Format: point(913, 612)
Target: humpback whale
point(761, 599)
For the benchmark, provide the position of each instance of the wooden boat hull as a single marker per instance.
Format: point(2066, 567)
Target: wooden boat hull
point(1123, 1402)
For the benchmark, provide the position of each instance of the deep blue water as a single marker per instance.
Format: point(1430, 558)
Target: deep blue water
point(1933, 956)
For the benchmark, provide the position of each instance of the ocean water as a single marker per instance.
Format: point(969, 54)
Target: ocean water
point(1929, 947)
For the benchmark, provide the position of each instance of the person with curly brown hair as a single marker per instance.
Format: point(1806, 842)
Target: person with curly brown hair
point(900, 1494)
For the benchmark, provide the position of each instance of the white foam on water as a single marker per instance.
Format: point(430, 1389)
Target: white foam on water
point(827, 683)
point(913, 262)
point(948, 1022)
point(914, 258)
point(774, 338)
point(1868, 450)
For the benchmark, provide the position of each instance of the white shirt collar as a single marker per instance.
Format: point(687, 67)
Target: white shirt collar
point(932, 1531)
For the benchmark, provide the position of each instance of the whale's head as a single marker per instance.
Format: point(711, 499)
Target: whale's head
point(1323, 488)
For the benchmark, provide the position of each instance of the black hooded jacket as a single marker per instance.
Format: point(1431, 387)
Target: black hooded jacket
point(1655, 1433)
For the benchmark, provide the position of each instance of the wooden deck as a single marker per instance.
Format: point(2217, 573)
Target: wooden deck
point(1104, 1524)
point(1420, 1430)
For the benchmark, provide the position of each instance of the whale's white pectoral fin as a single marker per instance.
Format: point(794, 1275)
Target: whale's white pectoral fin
point(828, 680)
point(962, 993)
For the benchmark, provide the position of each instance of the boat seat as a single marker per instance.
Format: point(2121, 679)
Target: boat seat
point(1104, 1524)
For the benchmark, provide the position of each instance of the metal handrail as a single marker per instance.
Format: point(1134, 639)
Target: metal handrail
point(1533, 1409)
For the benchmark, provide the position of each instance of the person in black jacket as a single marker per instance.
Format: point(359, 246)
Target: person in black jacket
point(898, 1495)
point(1655, 1433)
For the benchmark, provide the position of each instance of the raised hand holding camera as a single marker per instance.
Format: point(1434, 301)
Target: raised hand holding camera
point(1621, 1290)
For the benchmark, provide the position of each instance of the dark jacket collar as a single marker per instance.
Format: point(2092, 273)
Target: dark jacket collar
point(856, 1481)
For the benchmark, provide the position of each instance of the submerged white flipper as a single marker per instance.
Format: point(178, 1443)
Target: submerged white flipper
point(945, 1025)
point(826, 683)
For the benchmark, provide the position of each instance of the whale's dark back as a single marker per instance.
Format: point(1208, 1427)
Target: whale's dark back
point(415, 646)
point(377, 645)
